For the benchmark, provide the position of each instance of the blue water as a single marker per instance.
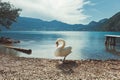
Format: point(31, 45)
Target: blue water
point(85, 45)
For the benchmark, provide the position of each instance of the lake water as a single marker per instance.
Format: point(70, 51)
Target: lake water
point(85, 45)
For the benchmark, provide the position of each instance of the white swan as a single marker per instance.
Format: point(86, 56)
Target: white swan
point(61, 50)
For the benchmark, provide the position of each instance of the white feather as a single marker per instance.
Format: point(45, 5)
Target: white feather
point(62, 51)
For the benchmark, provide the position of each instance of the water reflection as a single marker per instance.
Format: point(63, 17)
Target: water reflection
point(8, 51)
point(14, 50)
point(113, 49)
point(78, 43)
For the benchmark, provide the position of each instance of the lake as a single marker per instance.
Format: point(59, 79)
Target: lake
point(85, 45)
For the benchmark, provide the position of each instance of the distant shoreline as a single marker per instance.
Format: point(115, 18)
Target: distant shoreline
point(37, 68)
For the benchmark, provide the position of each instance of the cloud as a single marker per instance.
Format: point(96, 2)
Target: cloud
point(67, 11)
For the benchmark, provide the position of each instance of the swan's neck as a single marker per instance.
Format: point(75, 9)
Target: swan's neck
point(63, 45)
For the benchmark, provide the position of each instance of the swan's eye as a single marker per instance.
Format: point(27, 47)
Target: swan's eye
point(57, 43)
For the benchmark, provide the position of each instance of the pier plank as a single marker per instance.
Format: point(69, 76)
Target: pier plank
point(111, 39)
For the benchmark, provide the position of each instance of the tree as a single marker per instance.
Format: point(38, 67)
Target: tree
point(8, 14)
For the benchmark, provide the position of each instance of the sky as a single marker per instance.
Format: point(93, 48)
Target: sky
point(68, 11)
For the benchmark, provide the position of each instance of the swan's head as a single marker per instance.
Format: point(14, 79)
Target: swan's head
point(59, 40)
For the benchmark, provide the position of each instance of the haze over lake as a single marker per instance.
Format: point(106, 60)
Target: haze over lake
point(85, 45)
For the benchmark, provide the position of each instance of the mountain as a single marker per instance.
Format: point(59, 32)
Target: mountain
point(95, 26)
point(92, 23)
point(32, 24)
point(113, 24)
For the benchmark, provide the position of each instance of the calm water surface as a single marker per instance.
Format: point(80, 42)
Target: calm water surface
point(85, 45)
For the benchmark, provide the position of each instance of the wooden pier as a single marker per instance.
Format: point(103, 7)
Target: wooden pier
point(111, 39)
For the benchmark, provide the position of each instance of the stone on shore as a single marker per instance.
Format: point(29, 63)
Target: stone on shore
point(19, 68)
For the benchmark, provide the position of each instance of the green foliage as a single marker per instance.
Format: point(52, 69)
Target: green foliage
point(8, 14)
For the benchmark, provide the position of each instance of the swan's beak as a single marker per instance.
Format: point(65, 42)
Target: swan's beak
point(56, 44)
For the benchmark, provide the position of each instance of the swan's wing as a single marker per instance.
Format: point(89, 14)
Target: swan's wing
point(63, 52)
point(58, 52)
point(67, 50)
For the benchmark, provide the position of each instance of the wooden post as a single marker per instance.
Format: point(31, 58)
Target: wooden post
point(111, 39)
point(106, 41)
point(114, 41)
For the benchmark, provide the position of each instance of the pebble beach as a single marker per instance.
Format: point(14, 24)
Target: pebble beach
point(20, 68)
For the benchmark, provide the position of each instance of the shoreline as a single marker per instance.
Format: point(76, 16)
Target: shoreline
point(20, 68)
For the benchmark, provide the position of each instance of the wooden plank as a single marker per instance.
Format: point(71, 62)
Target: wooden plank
point(117, 36)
